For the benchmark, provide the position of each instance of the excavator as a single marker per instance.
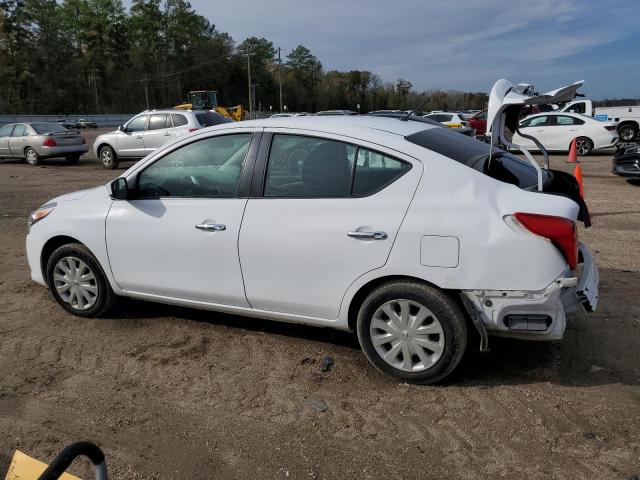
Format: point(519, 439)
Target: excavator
point(208, 100)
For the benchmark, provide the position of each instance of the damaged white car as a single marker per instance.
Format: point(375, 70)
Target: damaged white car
point(409, 234)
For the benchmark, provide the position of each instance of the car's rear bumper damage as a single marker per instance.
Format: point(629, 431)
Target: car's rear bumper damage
point(534, 315)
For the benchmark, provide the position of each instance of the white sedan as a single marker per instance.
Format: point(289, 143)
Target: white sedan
point(555, 131)
point(398, 230)
point(450, 119)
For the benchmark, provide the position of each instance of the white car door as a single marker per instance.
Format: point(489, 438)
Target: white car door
point(312, 227)
point(535, 127)
point(561, 131)
point(177, 237)
point(130, 140)
point(159, 131)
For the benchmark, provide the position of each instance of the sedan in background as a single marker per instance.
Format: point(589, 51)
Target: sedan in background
point(37, 140)
point(555, 131)
point(450, 119)
point(148, 131)
point(468, 131)
point(626, 162)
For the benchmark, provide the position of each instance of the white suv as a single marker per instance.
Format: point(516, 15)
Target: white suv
point(399, 230)
point(148, 131)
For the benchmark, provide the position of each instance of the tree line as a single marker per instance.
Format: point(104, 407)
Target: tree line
point(95, 56)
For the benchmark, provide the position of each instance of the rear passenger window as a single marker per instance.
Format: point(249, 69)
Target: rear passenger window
point(375, 171)
point(19, 131)
point(178, 120)
point(315, 167)
point(158, 121)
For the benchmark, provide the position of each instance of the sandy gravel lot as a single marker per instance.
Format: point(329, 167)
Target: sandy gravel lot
point(172, 393)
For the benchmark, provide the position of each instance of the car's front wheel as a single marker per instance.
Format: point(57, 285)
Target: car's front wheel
point(31, 156)
point(77, 281)
point(627, 133)
point(411, 331)
point(108, 158)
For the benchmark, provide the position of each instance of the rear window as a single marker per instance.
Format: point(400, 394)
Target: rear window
point(473, 153)
point(210, 119)
point(46, 127)
point(179, 120)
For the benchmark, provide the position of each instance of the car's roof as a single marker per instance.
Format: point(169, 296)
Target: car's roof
point(338, 124)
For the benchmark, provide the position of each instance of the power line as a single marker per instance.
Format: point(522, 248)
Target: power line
point(181, 71)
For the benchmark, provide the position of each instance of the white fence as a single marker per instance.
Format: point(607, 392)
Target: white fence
point(101, 120)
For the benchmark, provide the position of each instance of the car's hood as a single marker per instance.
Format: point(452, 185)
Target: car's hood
point(505, 94)
point(69, 197)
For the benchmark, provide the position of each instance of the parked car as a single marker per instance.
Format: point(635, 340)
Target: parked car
point(555, 131)
point(68, 124)
point(479, 122)
point(148, 131)
point(626, 162)
point(37, 140)
point(336, 112)
point(87, 123)
point(450, 119)
point(627, 117)
point(468, 131)
point(398, 230)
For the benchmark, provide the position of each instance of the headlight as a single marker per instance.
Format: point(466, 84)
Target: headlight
point(41, 213)
point(632, 150)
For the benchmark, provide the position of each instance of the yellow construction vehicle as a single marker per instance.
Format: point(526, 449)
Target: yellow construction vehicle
point(208, 100)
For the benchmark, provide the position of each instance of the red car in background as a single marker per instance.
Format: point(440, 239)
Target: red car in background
point(479, 120)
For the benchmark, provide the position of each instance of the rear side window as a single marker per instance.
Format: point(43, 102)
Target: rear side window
point(440, 117)
point(179, 120)
point(210, 119)
point(316, 167)
point(158, 121)
point(19, 131)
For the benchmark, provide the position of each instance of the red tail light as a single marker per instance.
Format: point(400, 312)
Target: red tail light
point(193, 129)
point(560, 231)
point(49, 142)
point(610, 127)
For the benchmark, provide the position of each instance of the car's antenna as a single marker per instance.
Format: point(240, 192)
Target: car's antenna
point(411, 112)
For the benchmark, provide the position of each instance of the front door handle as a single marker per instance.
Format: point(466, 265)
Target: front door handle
point(167, 134)
point(138, 136)
point(211, 227)
point(368, 235)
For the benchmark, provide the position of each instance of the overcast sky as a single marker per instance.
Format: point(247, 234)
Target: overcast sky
point(463, 44)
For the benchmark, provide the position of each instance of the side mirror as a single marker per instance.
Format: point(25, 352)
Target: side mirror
point(121, 128)
point(120, 189)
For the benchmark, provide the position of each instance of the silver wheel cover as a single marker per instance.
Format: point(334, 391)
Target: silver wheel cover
point(407, 335)
point(31, 156)
point(583, 146)
point(106, 156)
point(75, 283)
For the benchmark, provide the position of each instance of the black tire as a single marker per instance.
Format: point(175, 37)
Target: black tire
point(31, 156)
point(584, 146)
point(627, 133)
point(104, 296)
point(108, 158)
point(73, 158)
point(445, 312)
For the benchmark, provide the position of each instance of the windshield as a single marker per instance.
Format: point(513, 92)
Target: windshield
point(473, 153)
point(46, 127)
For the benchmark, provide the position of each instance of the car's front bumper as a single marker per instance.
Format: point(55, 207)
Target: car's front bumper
point(536, 315)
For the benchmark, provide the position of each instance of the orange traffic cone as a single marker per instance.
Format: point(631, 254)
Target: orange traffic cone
point(573, 152)
point(577, 173)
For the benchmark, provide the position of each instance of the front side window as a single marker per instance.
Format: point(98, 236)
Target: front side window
point(206, 168)
point(6, 130)
point(137, 124)
point(577, 108)
point(19, 131)
point(158, 121)
point(537, 122)
point(316, 167)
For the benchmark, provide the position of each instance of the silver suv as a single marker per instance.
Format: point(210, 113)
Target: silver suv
point(148, 131)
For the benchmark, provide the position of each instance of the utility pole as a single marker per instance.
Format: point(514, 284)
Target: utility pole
point(249, 83)
point(95, 89)
point(146, 89)
point(280, 76)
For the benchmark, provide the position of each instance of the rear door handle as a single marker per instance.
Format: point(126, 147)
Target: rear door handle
point(167, 134)
point(211, 227)
point(368, 235)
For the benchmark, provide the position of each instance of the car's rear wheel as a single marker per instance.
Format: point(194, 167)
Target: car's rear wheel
point(412, 332)
point(31, 156)
point(584, 146)
point(108, 158)
point(73, 158)
point(627, 133)
point(77, 281)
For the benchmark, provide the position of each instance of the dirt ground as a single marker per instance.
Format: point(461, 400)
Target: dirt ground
point(173, 393)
